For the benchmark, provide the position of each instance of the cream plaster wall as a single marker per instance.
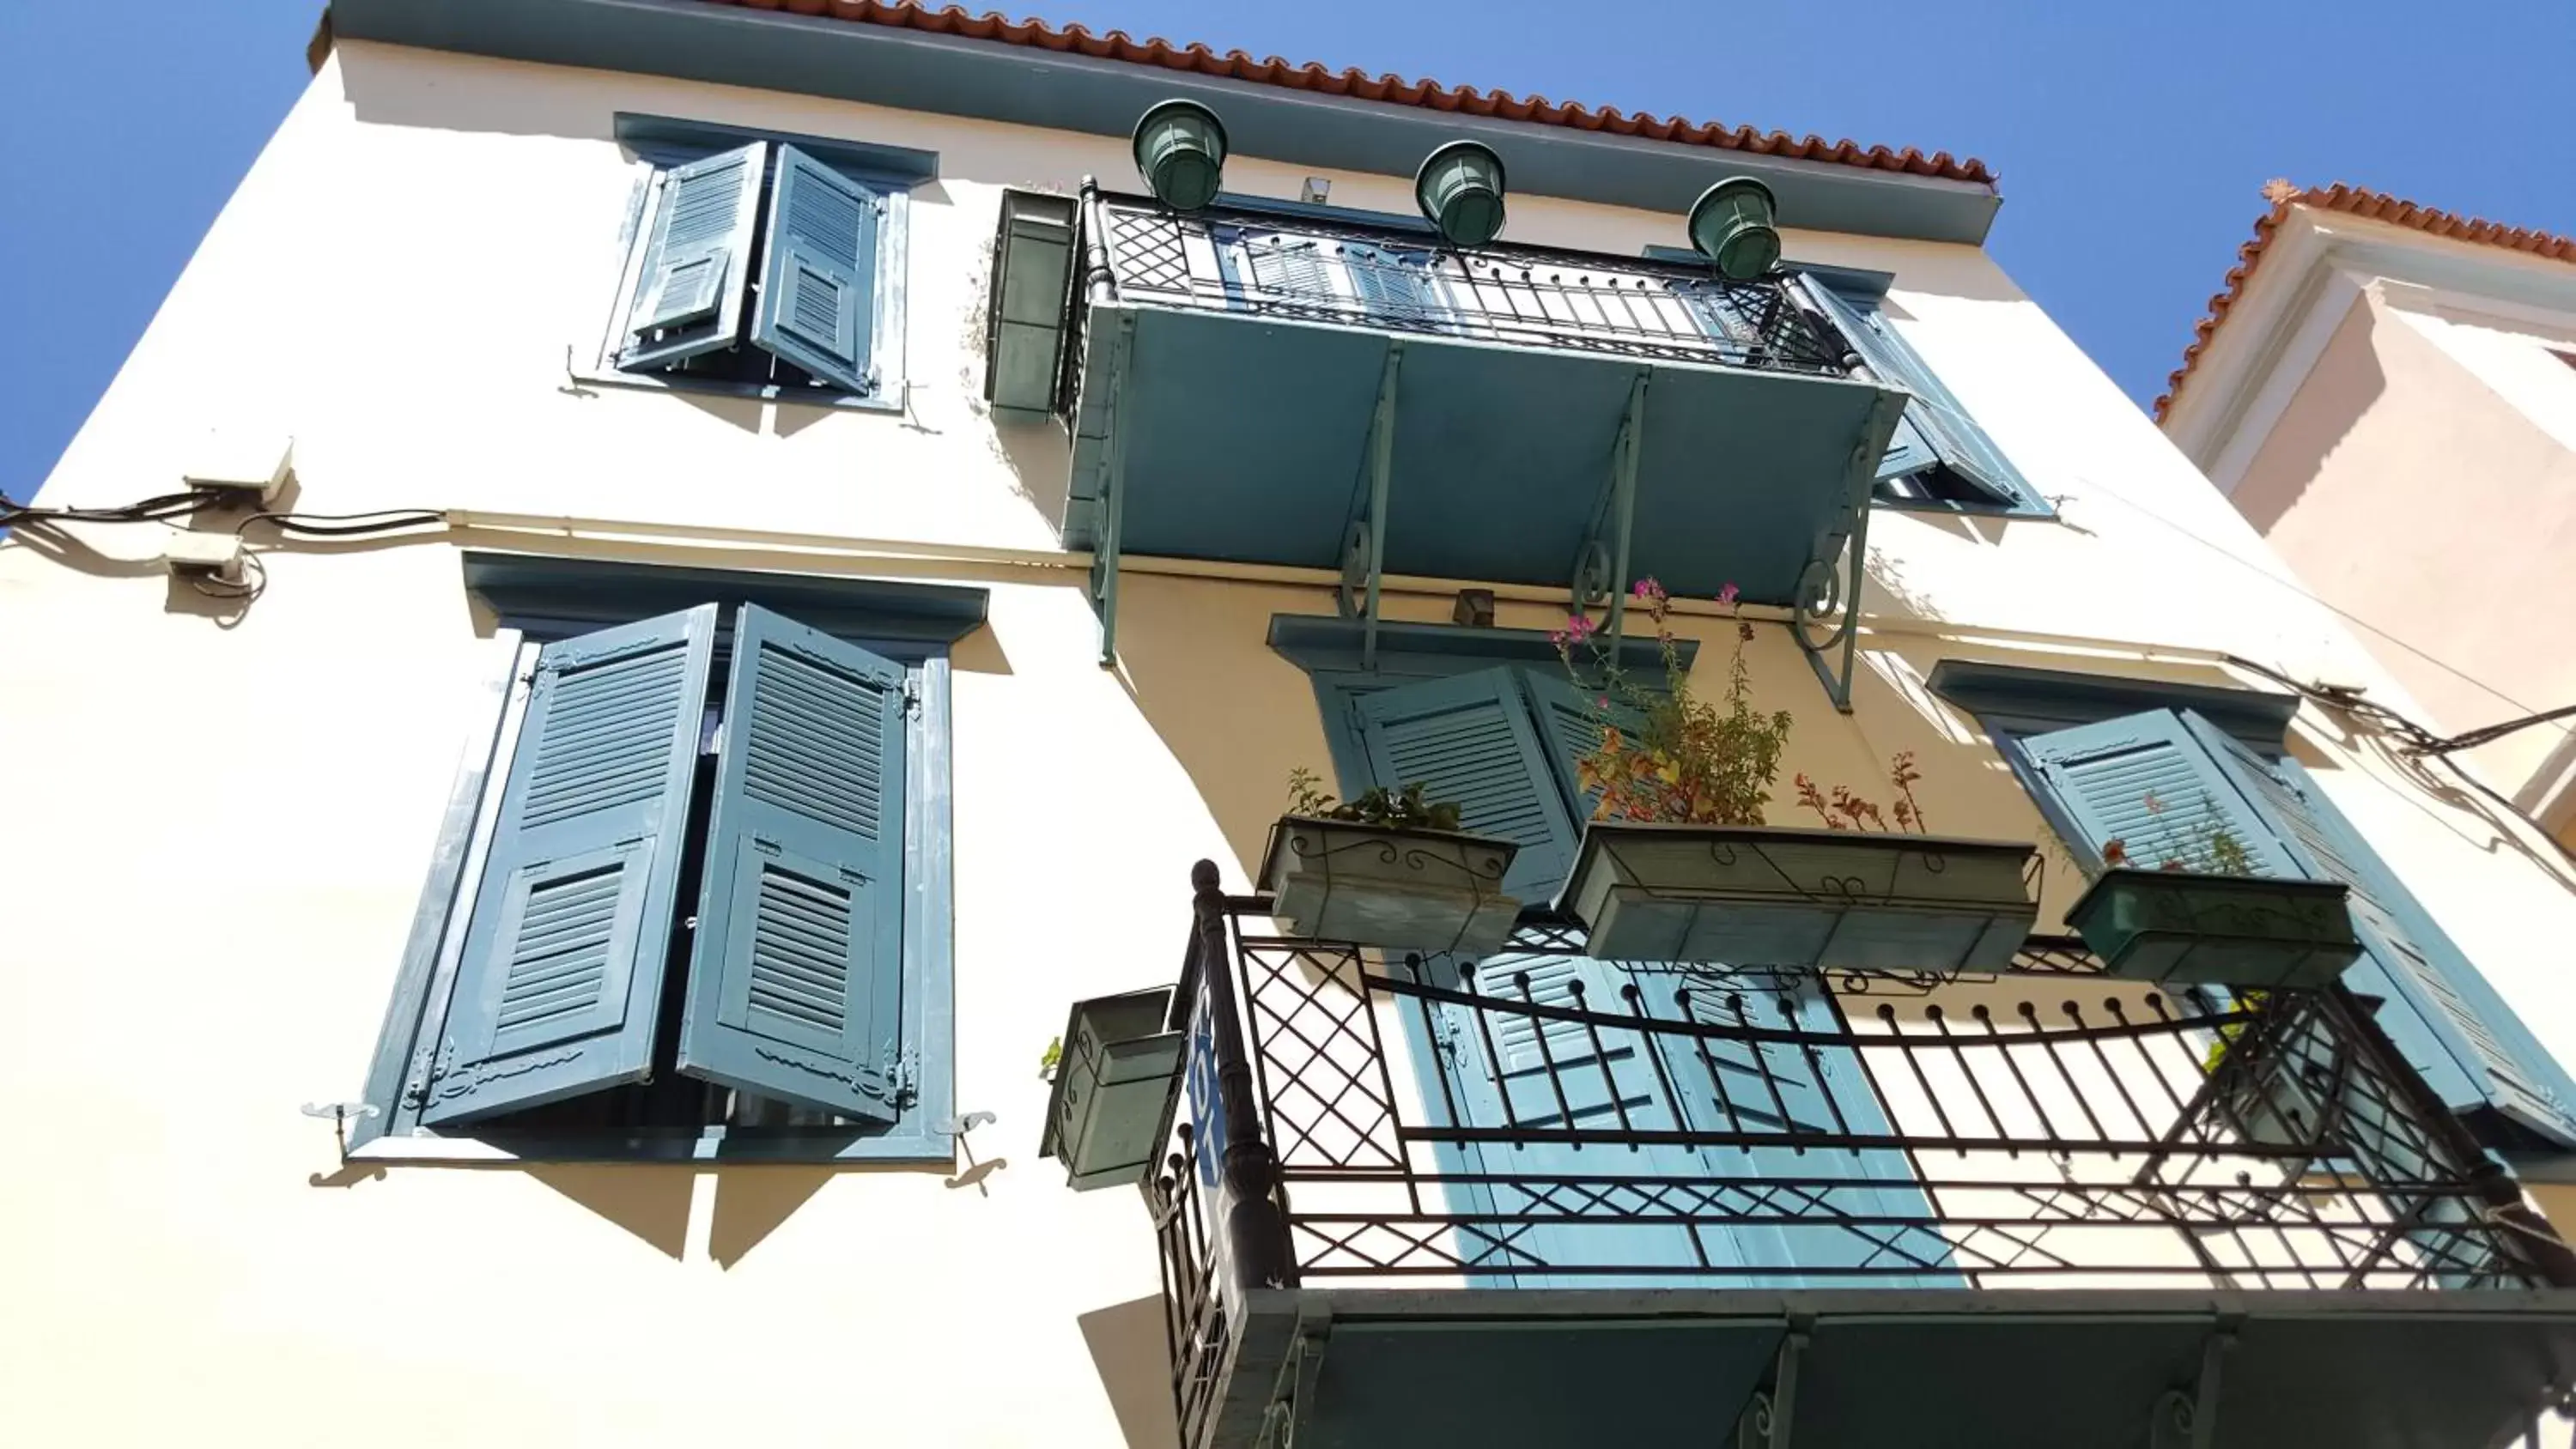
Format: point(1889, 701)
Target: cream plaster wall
point(220, 827)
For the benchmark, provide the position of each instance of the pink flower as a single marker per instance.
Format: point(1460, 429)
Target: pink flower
point(1602, 700)
point(1577, 629)
point(1648, 591)
point(1726, 596)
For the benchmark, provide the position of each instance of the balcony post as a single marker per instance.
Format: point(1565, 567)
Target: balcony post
point(1255, 1233)
point(1381, 482)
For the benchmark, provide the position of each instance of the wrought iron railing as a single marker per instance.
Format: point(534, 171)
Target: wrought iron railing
point(1708, 1127)
point(1393, 278)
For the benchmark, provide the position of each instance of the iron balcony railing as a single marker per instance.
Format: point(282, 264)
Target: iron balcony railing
point(1708, 1127)
point(1398, 279)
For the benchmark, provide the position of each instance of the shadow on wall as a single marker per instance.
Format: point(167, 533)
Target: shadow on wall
point(1132, 1351)
point(654, 1201)
point(2345, 383)
point(2440, 793)
point(1235, 715)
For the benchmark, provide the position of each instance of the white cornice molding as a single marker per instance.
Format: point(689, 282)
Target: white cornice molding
point(2317, 265)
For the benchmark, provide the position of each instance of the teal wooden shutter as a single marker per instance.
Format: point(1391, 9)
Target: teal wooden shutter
point(2101, 777)
point(818, 290)
point(796, 978)
point(1470, 739)
point(1935, 426)
point(1570, 720)
point(560, 984)
point(697, 260)
point(2518, 1075)
point(1395, 285)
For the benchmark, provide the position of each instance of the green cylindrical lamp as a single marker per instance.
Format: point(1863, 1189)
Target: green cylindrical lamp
point(1180, 151)
point(1460, 188)
point(1731, 225)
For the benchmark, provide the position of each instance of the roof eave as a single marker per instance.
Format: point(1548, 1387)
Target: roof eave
point(919, 71)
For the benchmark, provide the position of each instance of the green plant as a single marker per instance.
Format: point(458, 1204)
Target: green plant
point(1666, 754)
point(1843, 810)
point(2204, 843)
point(1403, 809)
point(1050, 1059)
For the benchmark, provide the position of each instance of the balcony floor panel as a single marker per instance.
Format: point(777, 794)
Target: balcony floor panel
point(1997, 1369)
point(1247, 441)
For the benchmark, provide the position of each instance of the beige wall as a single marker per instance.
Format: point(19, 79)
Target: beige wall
point(220, 824)
point(2439, 513)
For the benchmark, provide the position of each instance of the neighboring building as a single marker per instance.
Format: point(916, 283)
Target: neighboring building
point(668, 842)
point(2369, 356)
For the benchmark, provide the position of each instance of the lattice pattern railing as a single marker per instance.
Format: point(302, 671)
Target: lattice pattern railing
point(1353, 273)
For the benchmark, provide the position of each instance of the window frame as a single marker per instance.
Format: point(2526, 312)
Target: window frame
point(655, 145)
point(499, 697)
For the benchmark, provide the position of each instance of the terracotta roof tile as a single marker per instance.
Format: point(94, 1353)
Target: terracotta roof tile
point(2356, 201)
point(1393, 90)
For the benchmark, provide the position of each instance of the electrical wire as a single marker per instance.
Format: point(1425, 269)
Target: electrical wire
point(2418, 742)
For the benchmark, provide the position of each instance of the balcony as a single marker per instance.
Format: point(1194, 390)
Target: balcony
point(1721, 1207)
point(1362, 398)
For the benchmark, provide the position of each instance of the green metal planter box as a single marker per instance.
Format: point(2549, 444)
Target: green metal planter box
point(1398, 890)
point(1832, 899)
point(1114, 1088)
point(2175, 925)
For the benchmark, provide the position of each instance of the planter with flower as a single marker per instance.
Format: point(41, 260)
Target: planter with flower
point(2203, 915)
point(1388, 869)
point(1678, 865)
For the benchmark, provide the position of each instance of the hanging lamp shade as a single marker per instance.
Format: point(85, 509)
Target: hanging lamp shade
point(1460, 188)
point(1731, 225)
point(1180, 151)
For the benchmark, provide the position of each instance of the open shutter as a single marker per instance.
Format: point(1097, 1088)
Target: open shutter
point(1470, 739)
point(796, 980)
point(2103, 776)
point(818, 290)
point(561, 978)
point(1935, 427)
point(2518, 1075)
point(1570, 720)
point(697, 260)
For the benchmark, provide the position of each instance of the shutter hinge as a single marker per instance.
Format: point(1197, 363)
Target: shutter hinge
point(879, 202)
point(904, 1073)
point(911, 696)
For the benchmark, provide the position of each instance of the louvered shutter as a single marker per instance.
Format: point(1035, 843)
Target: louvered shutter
point(796, 978)
point(1470, 739)
point(1935, 427)
point(1397, 286)
point(2102, 777)
point(818, 289)
point(697, 260)
point(560, 984)
point(1571, 720)
point(2519, 1076)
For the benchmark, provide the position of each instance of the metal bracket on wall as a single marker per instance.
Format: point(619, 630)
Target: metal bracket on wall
point(1765, 1421)
point(1364, 544)
point(341, 1114)
point(1837, 572)
point(1113, 498)
point(1292, 1397)
point(2183, 1420)
point(1601, 564)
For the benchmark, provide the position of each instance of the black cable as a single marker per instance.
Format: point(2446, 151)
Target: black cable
point(2421, 742)
point(346, 525)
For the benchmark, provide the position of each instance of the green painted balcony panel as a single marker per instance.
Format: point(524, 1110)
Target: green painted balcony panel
point(1229, 373)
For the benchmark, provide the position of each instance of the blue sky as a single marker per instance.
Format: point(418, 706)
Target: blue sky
point(2132, 139)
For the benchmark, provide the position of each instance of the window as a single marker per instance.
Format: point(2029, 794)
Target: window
point(766, 265)
point(700, 907)
point(2140, 777)
point(1938, 457)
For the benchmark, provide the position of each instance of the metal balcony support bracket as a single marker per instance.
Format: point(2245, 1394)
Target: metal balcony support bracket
point(1113, 499)
point(2190, 1420)
point(1837, 572)
point(1767, 1419)
point(1601, 564)
point(1292, 1398)
point(1364, 546)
